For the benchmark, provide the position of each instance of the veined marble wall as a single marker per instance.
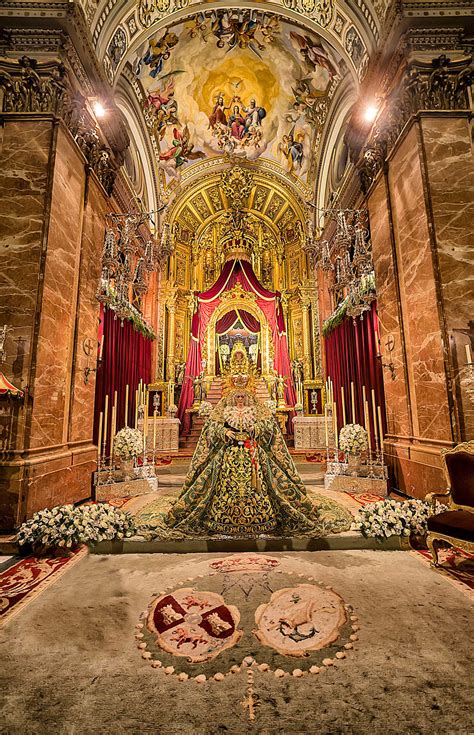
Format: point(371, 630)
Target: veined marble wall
point(51, 244)
point(449, 161)
point(420, 234)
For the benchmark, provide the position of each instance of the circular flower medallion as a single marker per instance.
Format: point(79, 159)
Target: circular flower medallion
point(195, 624)
point(301, 619)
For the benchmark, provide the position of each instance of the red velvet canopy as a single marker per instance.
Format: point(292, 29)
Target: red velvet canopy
point(235, 272)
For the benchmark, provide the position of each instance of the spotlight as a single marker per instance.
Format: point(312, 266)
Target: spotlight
point(99, 110)
point(370, 113)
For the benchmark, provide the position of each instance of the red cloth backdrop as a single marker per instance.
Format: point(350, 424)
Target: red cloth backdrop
point(352, 350)
point(228, 320)
point(233, 272)
point(126, 359)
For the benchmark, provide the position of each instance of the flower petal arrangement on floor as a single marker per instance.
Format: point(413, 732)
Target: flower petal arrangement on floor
point(247, 611)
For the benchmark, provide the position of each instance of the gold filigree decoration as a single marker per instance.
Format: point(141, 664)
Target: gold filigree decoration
point(237, 183)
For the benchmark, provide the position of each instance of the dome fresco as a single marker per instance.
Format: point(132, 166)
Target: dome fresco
point(251, 87)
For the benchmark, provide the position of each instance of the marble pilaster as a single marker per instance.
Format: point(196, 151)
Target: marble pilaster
point(426, 369)
point(450, 181)
point(391, 331)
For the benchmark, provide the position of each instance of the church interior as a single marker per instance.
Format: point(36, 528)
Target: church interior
point(236, 366)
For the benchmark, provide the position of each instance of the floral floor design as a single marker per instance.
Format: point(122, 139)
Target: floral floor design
point(247, 612)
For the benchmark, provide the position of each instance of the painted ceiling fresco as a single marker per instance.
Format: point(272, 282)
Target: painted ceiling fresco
point(240, 83)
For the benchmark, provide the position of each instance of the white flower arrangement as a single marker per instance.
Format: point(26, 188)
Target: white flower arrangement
point(128, 443)
point(394, 518)
point(271, 405)
point(172, 409)
point(353, 439)
point(205, 409)
point(67, 526)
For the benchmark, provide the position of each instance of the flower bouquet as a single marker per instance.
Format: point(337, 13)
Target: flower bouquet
point(128, 443)
point(172, 410)
point(353, 439)
point(205, 409)
point(66, 526)
point(394, 518)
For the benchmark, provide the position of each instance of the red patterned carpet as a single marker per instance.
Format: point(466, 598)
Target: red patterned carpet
point(456, 565)
point(28, 577)
point(364, 498)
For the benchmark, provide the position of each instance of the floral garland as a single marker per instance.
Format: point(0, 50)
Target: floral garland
point(128, 443)
point(353, 439)
point(67, 526)
point(394, 518)
point(130, 313)
point(366, 286)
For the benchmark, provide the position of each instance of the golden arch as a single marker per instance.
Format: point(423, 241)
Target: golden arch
point(237, 298)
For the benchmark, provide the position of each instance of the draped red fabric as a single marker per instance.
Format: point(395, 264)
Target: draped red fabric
point(126, 359)
point(249, 321)
point(352, 351)
point(226, 322)
point(234, 272)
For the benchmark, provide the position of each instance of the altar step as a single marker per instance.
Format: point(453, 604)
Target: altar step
point(171, 477)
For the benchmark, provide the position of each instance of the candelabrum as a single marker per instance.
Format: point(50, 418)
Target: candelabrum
point(348, 254)
point(129, 255)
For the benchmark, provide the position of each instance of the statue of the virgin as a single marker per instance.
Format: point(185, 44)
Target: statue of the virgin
point(242, 480)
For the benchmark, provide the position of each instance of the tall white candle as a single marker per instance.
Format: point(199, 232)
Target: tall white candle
point(367, 424)
point(379, 414)
point(106, 415)
point(343, 406)
point(353, 403)
point(326, 424)
point(468, 354)
point(363, 403)
point(126, 405)
point(374, 417)
point(99, 440)
point(334, 411)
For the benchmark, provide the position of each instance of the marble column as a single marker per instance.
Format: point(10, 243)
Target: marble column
point(52, 242)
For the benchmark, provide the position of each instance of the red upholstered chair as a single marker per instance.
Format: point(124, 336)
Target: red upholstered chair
point(456, 525)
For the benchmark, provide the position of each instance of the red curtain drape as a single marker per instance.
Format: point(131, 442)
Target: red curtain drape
point(126, 359)
point(352, 355)
point(228, 320)
point(233, 272)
